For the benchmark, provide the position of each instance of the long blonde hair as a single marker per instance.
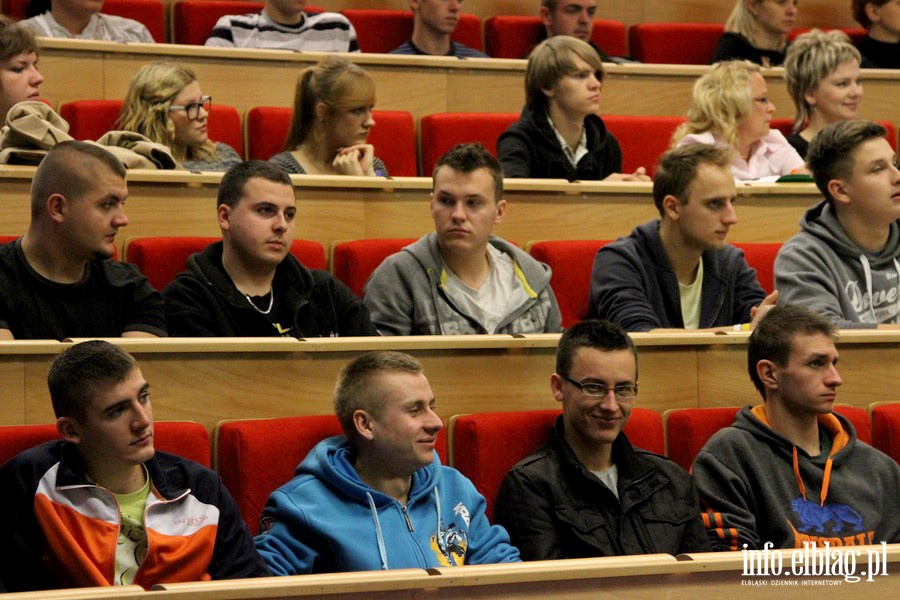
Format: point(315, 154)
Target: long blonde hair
point(146, 107)
point(744, 22)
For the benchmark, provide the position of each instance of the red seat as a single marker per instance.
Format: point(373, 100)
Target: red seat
point(383, 30)
point(257, 456)
point(886, 429)
point(160, 259)
point(571, 262)
point(149, 12)
point(643, 139)
point(352, 262)
point(193, 20)
point(394, 136)
point(184, 438)
point(785, 125)
point(674, 43)
point(90, 119)
point(688, 430)
point(859, 417)
point(509, 36)
point(485, 446)
point(761, 256)
point(440, 132)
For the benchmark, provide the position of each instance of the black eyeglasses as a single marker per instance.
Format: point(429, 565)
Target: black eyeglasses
point(623, 391)
point(192, 110)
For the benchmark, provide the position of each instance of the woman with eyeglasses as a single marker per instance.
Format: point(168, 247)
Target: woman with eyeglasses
point(757, 30)
point(730, 106)
point(164, 103)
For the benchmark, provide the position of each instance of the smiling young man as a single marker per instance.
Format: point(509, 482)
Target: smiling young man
point(101, 507)
point(677, 272)
point(845, 262)
point(791, 471)
point(250, 284)
point(434, 22)
point(461, 279)
point(82, 19)
point(58, 281)
point(378, 496)
point(588, 492)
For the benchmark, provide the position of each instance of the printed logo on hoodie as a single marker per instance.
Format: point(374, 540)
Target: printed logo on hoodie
point(837, 524)
point(450, 544)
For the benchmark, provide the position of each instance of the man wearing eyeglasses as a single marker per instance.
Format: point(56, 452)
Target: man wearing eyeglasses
point(588, 492)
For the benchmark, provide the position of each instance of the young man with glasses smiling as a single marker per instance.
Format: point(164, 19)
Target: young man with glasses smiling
point(588, 492)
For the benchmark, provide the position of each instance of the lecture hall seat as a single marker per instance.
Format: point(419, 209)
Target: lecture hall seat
point(193, 20)
point(886, 429)
point(674, 43)
point(571, 262)
point(786, 124)
point(380, 31)
point(393, 136)
point(256, 456)
point(152, 13)
point(354, 261)
point(160, 259)
point(761, 256)
point(439, 132)
point(642, 138)
point(507, 36)
point(485, 446)
point(90, 119)
point(184, 438)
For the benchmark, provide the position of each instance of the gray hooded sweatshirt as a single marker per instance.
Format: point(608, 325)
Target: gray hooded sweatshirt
point(822, 269)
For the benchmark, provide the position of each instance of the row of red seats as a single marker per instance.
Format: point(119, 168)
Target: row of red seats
point(384, 30)
point(256, 456)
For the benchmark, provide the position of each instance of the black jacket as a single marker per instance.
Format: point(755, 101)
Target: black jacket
point(530, 148)
point(554, 508)
point(734, 46)
point(204, 302)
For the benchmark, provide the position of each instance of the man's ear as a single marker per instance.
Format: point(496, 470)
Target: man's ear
point(873, 12)
point(556, 383)
point(838, 190)
point(545, 16)
point(363, 423)
point(767, 371)
point(671, 207)
point(223, 213)
point(68, 429)
point(501, 211)
point(57, 207)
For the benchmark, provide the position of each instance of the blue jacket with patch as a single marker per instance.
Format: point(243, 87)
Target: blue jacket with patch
point(326, 519)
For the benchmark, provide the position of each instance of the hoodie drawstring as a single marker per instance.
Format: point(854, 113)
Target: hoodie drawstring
point(381, 551)
point(826, 478)
point(868, 273)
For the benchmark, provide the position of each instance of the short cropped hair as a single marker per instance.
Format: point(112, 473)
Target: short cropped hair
point(774, 334)
point(550, 61)
point(15, 39)
point(550, 4)
point(810, 59)
point(592, 333)
point(678, 167)
point(231, 188)
point(83, 370)
point(830, 155)
point(70, 168)
point(859, 10)
point(356, 388)
point(466, 158)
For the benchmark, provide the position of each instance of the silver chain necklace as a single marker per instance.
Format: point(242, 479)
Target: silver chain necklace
point(258, 309)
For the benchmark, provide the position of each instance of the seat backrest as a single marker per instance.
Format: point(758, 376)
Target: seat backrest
point(571, 262)
point(786, 124)
point(90, 119)
point(643, 138)
point(688, 430)
point(674, 43)
point(485, 446)
point(440, 132)
point(761, 256)
point(886, 429)
point(394, 136)
point(354, 261)
point(256, 456)
point(160, 259)
point(859, 417)
point(381, 31)
point(508, 36)
point(193, 20)
point(184, 438)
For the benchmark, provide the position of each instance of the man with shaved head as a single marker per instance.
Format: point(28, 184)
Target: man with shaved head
point(58, 281)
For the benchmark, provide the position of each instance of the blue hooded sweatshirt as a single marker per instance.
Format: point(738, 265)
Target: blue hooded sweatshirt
point(326, 519)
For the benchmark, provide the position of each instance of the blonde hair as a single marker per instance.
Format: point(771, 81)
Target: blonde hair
point(550, 61)
point(146, 107)
point(744, 22)
point(720, 101)
point(334, 81)
point(811, 58)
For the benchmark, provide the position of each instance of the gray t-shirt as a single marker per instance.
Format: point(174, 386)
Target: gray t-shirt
point(108, 28)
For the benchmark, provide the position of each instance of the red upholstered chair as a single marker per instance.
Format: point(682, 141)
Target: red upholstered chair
point(149, 12)
point(193, 20)
point(90, 119)
point(688, 429)
point(571, 262)
point(394, 136)
point(352, 262)
point(514, 36)
point(256, 456)
point(674, 43)
point(383, 30)
point(485, 446)
point(761, 256)
point(786, 124)
point(643, 139)
point(886, 429)
point(859, 417)
point(160, 259)
point(440, 132)
point(184, 438)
